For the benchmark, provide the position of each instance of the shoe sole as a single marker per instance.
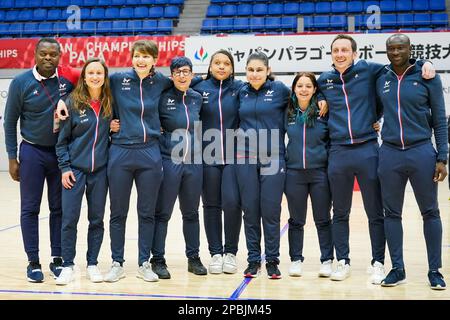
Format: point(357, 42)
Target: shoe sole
point(393, 284)
point(115, 280)
point(437, 288)
point(34, 281)
point(338, 279)
point(324, 275)
point(147, 279)
point(274, 277)
point(294, 274)
point(215, 271)
point(249, 275)
point(230, 270)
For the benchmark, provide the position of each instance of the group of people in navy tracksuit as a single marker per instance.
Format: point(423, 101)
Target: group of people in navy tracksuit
point(156, 124)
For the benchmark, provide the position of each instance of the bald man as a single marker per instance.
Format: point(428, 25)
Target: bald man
point(413, 108)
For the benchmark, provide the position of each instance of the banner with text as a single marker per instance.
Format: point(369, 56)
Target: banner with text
point(19, 53)
point(292, 53)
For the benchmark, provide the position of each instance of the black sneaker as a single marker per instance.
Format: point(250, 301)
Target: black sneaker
point(252, 270)
point(436, 280)
point(394, 278)
point(196, 266)
point(34, 272)
point(160, 268)
point(272, 270)
point(56, 267)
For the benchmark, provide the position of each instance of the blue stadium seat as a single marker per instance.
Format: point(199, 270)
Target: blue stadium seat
point(214, 11)
point(150, 26)
point(291, 8)
point(30, 28)
point(21, 4)
point(209, 25)
point(403, 5)
point(88, 27)
point(171, 12)
point(260, 9)
point(147, 2)
point(15, 29)
point(308, 22)
point(244, 9)
point(2, 15)
point(90, 3)
point(60, 28)
point(118, 3)
point(321, 22)
point(62, 3)
point(40, 14)
point(156, 12)
point(256, 24)
point(112, 13)
point(339, 7)
point(437, 5)
point(36, 4)
point(25, 15)
point(367, 4)
point(307, 8)
point(176, 2)
point(420, 5)
point(405, 19)
point(162, 2)
point(289, 23)
point(54, 14)
point(322, 7)
point(7, 4)
point(126, 13)
point(240, 24)
point(104, 27)
point(4, 29)
point(165, 26)
point(439, 19)
point(360, 21)
point(273, 23)
point(119, 26)
point(387, 6)
point(140, 12)
point(338, 22)
point(275, 9)
point(97, 13)
point(354, 6)
point(388, 20)
point(422, 19)
point(12, 15)
point(225, 24)
point(229, 10)
point(104, 3)
point(134, 26)
point(133, 2)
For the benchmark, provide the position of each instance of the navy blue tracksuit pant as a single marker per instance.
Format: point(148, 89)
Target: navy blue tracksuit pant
point(141, 163)
point(344, 163)
point(416, 164)
point(96, 186)
point(261, 197)
point(38, 164)
point(184, 181)
point(220, 192)
point(299, 184)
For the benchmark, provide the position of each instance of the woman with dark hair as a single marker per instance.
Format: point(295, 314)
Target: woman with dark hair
point(260, 168)
point(82, 151)
point(306, 174)
point(218, 114)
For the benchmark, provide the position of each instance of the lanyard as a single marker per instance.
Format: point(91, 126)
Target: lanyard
point(48, 94)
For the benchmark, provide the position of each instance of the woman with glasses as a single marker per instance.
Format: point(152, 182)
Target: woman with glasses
point(180, 142)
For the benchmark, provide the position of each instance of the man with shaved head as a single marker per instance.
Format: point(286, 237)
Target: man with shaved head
point(413, 108)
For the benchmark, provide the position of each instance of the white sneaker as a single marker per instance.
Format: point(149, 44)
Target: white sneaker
point(342, 271)
point(326, 269)
point(378, 273)
point(295, 270)
point(65, 277)
point(216, 264)
point(115, 273)
point(229, 263)
point(146, 273)
point(94, 274)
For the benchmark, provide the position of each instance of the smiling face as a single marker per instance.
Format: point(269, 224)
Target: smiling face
point(221, 67)
point(182, 78)
point(143, 63)
point(398, 50)
point(257, 73)
point(47, 58)
point(342, 54)
point(304, 90)
point(94, 75)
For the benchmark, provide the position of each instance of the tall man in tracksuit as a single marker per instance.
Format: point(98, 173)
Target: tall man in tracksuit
point(179, 111)
point(413, 109)
point(32, 97)
point(350, 93)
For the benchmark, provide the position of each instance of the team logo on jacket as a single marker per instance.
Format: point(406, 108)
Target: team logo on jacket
point(415, 83)
point(330, 84)
point(170, 104)
point(386, 87)
point(82, 113)
point(268, 96)
point(205, 96)
point(35, 92)
point(62, 89)
point(126, 84)
point(356, 76)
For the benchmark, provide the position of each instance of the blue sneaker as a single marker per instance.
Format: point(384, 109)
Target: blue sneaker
point(56, 267)
point(394, 278)
point(436, 280)
point(34, 272)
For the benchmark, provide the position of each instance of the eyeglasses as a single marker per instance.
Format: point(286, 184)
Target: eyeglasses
point(181, 72)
